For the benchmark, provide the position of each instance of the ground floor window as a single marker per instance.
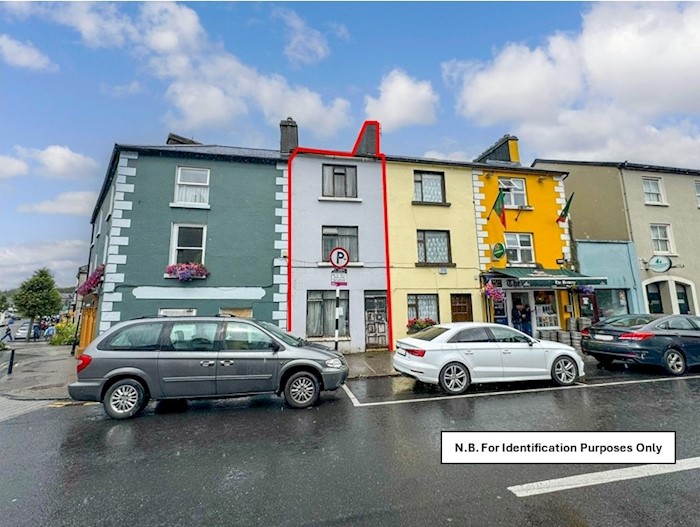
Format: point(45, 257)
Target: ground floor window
point(611, 302)
point(320, 314)
point(546, 309)
point(654, 299)
point(423, 306)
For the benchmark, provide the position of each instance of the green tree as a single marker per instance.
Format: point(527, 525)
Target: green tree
point(37, 297)
point(4, 304)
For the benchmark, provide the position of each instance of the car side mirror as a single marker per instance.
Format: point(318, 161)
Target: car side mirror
point(530, 342)
point(274, 346)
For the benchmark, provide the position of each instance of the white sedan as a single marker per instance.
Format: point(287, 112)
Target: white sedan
point(455, 355)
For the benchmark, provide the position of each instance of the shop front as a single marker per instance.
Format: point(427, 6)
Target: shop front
point(543, 298)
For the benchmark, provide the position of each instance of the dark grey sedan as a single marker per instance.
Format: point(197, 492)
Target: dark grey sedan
point(671, 341)
point(197, 357)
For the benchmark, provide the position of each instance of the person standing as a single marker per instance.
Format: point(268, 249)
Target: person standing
point(517, 316)
point(527, 319)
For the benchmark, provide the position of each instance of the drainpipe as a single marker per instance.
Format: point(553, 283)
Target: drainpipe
point(620, 167)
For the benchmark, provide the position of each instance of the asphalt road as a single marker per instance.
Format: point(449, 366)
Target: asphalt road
point(253, 462)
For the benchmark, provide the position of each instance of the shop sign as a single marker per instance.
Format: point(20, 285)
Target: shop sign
point(660, 264)
point(498, 251)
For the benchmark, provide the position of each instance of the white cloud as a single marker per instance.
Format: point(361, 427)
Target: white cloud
point(458, 155)
point(72, 203)
point(611, 92)
point(12, 167)
point(60, 162)
point(63, 257)
point(121, 90)
point(403, 101)
point(24, 55)
point(305, 45)
point(339, 30)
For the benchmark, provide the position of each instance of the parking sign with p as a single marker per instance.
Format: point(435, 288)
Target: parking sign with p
point(339, 257)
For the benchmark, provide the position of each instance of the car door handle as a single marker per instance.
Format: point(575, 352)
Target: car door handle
point(506, 352)
point(469, 353)
point(207, 363)
point(226, 362)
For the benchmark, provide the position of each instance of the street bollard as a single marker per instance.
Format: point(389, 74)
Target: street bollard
point(11, 363)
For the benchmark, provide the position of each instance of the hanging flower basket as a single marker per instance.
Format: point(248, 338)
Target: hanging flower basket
point(417, 324)
point(583, 289)
point(93, 281)
point(186, 272)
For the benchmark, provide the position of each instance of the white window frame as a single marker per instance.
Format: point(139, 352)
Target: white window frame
point(111, 202)
point(519, 248)
point(668, 239)
point(511, 190)
point(99, 225)
point(174, 236)
point(697, 192)
point(177, 312)
point(661, 192)
point(187, 204)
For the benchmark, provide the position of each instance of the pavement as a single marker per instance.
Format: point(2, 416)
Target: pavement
point(41, 372)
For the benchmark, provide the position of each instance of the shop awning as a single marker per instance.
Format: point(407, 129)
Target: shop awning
point(558, 278)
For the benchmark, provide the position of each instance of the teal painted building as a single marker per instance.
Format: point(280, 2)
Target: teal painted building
point(222, 207)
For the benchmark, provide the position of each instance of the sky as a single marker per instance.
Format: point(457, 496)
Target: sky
point(615, 81)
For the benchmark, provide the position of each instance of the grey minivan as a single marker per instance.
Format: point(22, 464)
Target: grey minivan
point(198, 357)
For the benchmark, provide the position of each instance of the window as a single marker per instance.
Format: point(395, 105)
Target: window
point(192, 186)
point(434, 247)
point(519, 248)
point(111, 203)
point(655, 303)
point(423, 306)
point(472, 335)
point(193, 336)
point(188, 244)
point(175, 312)
point(242, 336)
point(139, 337)
point(506, 334)
point(429, 187)
point(661, 238)
point(652, 191)
point(611, 302)
point(678, 323)
point(345, 237)
point(339, 181)
point(697, 192)
point(320, 314)
point(513, 191)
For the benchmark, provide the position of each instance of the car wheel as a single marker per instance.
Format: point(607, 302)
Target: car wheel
point(454, 378)
point(564, 371)
point(674, 362)
point(301, 390)
point(124, 399)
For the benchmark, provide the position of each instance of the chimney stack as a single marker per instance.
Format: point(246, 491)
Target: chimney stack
point(289, 135)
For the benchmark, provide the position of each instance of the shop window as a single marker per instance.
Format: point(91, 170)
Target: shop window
point(682, 295)
point(654, 299)
point(611, 302)
point(546, 309)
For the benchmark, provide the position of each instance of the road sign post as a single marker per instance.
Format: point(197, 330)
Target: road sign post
point(339, 258)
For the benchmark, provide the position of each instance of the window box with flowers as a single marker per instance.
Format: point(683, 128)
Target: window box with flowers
point(418, 324)
point(93, 281)
point(186, 272)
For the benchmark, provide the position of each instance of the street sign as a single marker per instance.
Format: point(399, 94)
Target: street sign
point(339, 257)
point(339, 277)
point(660, 264)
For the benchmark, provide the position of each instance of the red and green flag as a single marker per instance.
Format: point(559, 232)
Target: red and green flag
point(499, 207)
point(564, 213)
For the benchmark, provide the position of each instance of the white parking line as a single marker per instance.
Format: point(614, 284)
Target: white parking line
point(600, 478)
point(356, 402)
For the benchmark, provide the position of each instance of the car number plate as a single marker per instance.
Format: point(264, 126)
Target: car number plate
point(603, 337)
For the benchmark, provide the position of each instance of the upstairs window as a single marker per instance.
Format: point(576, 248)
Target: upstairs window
point(187, 244)
point(429, 187)
point(339, 181)
point(519, 248)
point(192, 186)
point(345, 237)
point(513, 191)
point(653, 191)
point(661, 238)
point(434, 247)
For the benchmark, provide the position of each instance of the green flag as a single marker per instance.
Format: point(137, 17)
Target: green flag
point(564, 213)
point(499, 207)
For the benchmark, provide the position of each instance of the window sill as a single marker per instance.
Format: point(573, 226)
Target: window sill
point(653, 204)
point(189, 206)
point(430, 264)
point(673, 255)
point(432, 203)
point(169, 277)
point(351, 264)
point(344, 200)
point(518, 207)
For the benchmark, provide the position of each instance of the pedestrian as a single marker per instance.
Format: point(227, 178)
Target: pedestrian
point(527, 319)
point(35, 332)
point(8, 334)
point(49, 332)
point(517, 316)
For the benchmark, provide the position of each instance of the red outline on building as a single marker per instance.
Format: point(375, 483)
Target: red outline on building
point(353, 153)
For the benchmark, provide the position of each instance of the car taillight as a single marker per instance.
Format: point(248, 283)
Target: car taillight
point(636, 336)
point(417, 353)
point(585, 332)
point(83, 361)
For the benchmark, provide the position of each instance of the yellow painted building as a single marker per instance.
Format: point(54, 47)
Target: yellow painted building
point(433, 248)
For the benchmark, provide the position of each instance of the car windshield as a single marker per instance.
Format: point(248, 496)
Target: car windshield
point(285, 337)
point(627, 321)
point(429, 333)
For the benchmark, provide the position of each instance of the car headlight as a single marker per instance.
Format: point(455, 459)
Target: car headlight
point(334, 363)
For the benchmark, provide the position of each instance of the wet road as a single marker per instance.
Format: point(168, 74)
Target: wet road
point(254, 462)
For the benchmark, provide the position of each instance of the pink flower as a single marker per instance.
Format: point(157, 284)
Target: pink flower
point(186, 272)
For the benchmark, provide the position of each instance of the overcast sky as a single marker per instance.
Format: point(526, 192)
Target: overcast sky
point(584, 81)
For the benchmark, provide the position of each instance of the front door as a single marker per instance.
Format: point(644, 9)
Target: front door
point(520, 358)
point(247, 363)
point(375, 319)
point(461, 308)
point(187, 361)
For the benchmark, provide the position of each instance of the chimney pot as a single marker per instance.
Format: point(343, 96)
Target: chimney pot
point(289, 135)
